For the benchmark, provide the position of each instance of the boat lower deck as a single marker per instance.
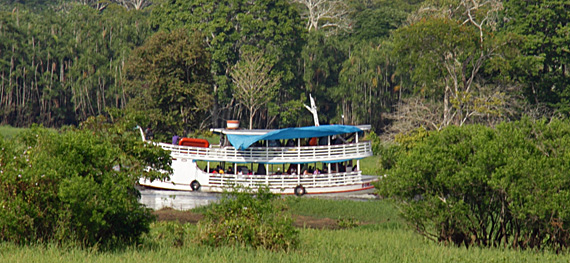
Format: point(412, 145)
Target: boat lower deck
point(280, 184)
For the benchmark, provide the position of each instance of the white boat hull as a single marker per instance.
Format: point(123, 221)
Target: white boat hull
point(186, 171)
point(364, 187)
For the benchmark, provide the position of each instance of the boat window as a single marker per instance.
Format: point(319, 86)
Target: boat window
point(290, 143)
point(274, 143)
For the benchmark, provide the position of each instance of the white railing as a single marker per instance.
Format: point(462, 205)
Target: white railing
point(303, 154)
point(285, 180)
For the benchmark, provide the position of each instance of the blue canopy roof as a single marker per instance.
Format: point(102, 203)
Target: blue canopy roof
point(242, 142)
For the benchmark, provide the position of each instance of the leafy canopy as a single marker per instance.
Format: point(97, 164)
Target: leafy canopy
point(476, 185)
point(169, 80)
point(76, 186)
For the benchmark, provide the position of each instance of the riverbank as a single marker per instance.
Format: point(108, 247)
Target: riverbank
point(383, 238)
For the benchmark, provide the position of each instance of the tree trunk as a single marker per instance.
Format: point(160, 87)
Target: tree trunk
point(446, 108)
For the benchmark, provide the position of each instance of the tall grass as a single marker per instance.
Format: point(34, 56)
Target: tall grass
point(371, 244)
point(375, 242)
point(9, 132)
point(368, 211)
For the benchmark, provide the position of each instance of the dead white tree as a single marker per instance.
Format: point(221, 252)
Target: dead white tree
point(461, 101)
point(97, 4)
point(134, 4)
point(332, 15)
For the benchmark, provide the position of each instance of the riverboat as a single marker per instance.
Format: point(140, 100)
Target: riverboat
point(322, 159)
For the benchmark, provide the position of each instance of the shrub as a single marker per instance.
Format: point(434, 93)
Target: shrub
point(242, 217)
point(77, 186)
point(507, 186)
point(168, 234)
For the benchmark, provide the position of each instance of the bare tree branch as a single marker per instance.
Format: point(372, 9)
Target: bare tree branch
point(325, 14)
point(254, 84)
point(134, 4)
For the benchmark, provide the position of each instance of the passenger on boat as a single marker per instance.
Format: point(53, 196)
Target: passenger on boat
point(261, 170)
point(230, 170)
point(292, 168)
point(341, 168)
point(175, 139)
point(149, 133)
point(278, 171)
point(274, 143)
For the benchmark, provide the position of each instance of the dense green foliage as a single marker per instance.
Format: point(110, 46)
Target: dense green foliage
point(394, 64)
point(232, 27)
point(169, 81)
point(543, 66)
point(475, 185)
point(59, 68)
point(243, 217)
point(75, 186)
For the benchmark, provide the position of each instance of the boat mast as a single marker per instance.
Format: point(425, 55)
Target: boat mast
point(313, 110)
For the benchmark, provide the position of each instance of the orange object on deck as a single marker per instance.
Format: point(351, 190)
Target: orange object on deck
point(194, 142)
point(314, 141)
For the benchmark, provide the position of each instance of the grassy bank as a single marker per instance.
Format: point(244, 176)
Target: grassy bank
point(363, 244)
point(8, 132)
point(384, 238)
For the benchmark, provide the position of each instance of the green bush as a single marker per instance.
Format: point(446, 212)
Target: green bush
point(75, 186)
point(242, 217)
point(507, 186)
point(168, 234)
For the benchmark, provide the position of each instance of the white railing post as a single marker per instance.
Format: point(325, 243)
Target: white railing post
point(299, 148)
point(356, 141)
point(314, 178)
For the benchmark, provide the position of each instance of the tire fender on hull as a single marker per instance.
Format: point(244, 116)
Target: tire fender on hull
point(195, 185)
point(300, 190)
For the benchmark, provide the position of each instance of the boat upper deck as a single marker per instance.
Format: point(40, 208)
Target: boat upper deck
point(273, 155)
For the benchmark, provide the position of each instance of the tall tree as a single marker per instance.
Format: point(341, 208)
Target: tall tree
point(60, 67)
point(228, 26)
point(254, 86)
point(322, 61)
point(544, 63)
point(367, 86)
point(168, 80)
point(445, 48)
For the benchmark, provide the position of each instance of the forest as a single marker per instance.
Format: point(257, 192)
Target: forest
point(474, 93)
point(181, 66)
